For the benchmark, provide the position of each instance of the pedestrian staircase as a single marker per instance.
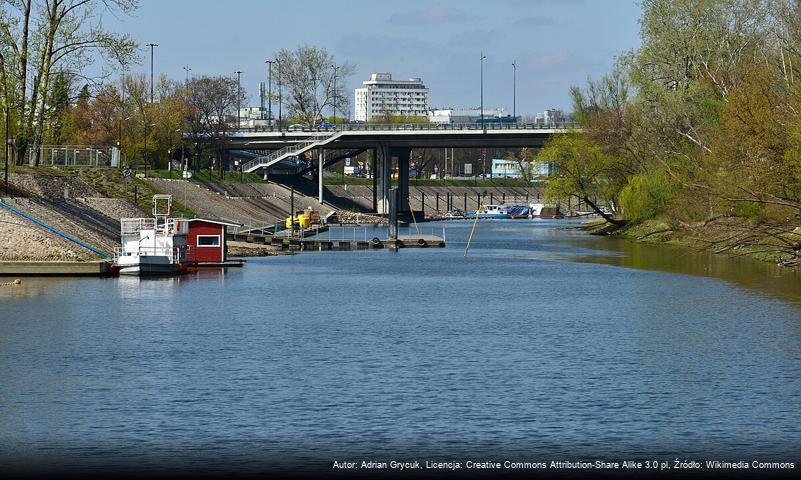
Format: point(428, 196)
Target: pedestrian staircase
point(316, 140)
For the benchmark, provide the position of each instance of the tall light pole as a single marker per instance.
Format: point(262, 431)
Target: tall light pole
point(334, 101)
point(238, 97)
point(151, 45)
point(514, 90)
point(280, 100)
point(147, 154)
point(269, 91)
point(187, 70)
point(7, 145)
point(481, 118)
point(122, 106)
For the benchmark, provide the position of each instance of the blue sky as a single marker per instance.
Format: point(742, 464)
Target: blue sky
point(556, 43)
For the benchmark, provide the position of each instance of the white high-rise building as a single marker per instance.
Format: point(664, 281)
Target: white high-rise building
point(381, 95)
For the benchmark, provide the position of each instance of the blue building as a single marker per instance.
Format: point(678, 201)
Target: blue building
point(504, 168)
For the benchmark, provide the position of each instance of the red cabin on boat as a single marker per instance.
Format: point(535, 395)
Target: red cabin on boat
point(206, 240)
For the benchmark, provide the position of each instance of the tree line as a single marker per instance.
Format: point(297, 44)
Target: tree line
point(700, 126)
point(64, 79)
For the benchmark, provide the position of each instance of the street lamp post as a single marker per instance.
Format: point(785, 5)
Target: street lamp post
point(187, 70)
point(238, 98)
point(334, 100)
point(514, 90)
point(147, 154)
point(7, 145)
point(280, 99)
point(481, 118)
point(151, 45)
point(269, 91)
point(122, 107)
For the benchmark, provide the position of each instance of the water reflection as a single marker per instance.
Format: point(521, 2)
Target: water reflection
point(513, 350)
point(31, 287)
point(762, 277)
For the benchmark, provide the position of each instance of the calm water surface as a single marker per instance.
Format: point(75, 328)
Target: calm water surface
point(542, 343)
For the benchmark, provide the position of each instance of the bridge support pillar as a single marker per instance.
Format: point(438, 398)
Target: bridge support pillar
point(384, 174)
point(373, 173)
point(320, 177)
point(403, 155)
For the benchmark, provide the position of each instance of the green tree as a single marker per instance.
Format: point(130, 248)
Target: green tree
point(41, 37)
point(582, 170)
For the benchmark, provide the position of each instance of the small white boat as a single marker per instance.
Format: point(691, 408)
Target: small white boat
point(153, 246)
point(454, 214)
point(535, 209)
point(490, 211)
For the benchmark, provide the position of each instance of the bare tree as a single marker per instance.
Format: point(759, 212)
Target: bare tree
point(315, 82)
point(211, 104)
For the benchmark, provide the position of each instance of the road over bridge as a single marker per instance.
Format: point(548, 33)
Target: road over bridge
point(387, 142)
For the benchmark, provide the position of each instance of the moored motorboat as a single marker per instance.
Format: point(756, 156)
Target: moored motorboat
point(490, 211)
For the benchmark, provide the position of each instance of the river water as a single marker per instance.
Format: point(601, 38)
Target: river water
point(543, 343)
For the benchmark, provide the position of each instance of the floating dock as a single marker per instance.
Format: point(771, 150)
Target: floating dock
point(318, 244)
point(55, 269)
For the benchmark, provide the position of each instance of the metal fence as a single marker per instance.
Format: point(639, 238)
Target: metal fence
point(77, 156)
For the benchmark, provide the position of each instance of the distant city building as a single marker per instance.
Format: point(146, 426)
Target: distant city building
point(505, 168)
point(250, 117)
point(468, 115)
point(552, 116)
point(381, 95)
point(251, 113)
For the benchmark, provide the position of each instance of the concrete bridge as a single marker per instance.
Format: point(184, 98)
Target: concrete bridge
point(269, 147)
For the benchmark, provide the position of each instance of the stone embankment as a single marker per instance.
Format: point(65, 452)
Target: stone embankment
point(51, 186)
point(24, 240)
point(435, 199)
point(248, 203)
point(67, 204)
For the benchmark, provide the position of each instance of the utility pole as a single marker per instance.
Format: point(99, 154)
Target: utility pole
point(514, 90)
point(269, 91)
point(238, 98)
point(481, 118)
point(187, 69)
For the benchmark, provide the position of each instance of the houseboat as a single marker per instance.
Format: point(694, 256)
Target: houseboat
point(153, 246)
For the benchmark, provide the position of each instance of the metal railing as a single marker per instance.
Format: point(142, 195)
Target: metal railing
point(173, 226)
point(174, 254)
point(77, 156)
point(132, 226)
point(289, 150)
point(370, 127)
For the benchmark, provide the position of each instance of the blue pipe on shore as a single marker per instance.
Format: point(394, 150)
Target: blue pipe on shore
point(56, 231)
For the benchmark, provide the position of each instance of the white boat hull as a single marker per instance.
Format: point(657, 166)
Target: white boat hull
point(147, 265)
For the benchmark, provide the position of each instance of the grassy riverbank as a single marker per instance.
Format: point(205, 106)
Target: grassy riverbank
point(725, 236)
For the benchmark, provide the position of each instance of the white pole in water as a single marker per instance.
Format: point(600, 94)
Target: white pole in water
point(469, 239)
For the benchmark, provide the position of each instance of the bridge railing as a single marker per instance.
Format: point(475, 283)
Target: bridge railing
point(288, 150)
point(371, 127)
